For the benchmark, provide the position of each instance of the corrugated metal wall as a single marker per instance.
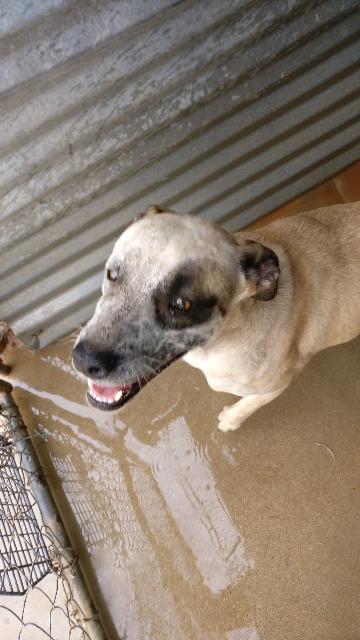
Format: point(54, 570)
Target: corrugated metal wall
point(223, 109)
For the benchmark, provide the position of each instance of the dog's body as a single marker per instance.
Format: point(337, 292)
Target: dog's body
point(263, 345)
point(249, 310)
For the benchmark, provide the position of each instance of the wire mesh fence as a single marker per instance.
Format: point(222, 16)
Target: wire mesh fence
point(42, 594)
point(24, 558)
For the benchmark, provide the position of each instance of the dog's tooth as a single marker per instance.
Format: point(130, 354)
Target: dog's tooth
point(106, 400)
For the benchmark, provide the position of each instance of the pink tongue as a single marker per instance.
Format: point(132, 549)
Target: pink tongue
point(108, 392)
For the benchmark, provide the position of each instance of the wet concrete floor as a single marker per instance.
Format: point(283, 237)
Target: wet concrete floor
point(188, 533)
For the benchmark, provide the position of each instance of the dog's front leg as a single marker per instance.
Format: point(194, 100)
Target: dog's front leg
point(232, 417)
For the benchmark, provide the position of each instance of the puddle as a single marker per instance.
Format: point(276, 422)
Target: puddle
point(184, 477)
point(195, 534)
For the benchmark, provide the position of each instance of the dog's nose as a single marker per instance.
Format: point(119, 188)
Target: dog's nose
point(93, 363)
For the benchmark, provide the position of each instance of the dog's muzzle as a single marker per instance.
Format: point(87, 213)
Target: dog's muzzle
point(98, 367)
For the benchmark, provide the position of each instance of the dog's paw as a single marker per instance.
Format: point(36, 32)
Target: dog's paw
point(227, 421)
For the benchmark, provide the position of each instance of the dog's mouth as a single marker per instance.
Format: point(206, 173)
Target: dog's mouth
point(109, 398)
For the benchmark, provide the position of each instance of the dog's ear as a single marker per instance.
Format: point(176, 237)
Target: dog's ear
point(153, 210)
point(260, 267)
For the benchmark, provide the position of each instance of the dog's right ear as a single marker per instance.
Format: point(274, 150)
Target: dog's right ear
point(259, 269)
point(153, 210)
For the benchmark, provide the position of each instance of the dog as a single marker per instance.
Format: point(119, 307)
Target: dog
point(248, 309)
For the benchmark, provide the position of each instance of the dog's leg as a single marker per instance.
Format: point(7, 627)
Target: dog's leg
point(232, 417)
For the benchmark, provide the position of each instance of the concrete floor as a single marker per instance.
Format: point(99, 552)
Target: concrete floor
point(197, 534)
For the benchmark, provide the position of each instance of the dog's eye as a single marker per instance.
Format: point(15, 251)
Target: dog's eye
point(180, 304)
point(112, 274)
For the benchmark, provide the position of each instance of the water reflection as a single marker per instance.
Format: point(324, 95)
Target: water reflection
point(245, 633)
point(145, 501)
point(97, 488)
point(182, 472)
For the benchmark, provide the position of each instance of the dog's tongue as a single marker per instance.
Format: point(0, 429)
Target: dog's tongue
point(108, 393)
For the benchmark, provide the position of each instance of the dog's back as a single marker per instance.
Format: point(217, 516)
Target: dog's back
point(322, 250)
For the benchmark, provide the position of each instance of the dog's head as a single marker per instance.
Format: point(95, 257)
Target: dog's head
point(169, 283)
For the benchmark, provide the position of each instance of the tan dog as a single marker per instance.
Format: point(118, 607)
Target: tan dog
point(248, 309)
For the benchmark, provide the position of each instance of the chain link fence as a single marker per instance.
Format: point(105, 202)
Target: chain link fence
point(42, 594)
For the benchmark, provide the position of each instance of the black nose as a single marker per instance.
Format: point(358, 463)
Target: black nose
point(93, 363)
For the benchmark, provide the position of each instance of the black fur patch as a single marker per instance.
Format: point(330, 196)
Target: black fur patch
point(188, 287)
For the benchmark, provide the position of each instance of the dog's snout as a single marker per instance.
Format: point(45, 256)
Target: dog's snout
point(92, 362)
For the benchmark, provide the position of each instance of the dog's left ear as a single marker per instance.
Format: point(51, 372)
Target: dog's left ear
point(260, 266)
point(153, 210)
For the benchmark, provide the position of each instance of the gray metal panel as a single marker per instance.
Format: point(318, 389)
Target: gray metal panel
point(222, 109)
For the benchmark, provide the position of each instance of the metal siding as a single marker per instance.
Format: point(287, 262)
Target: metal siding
point(222, 109)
